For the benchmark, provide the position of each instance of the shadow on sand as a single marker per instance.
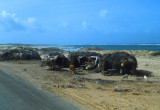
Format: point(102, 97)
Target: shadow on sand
point(144, 72)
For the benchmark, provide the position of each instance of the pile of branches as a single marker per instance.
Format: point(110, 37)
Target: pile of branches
point(55, 61)
point(84, 59)
point(118, 63)
point(20, 54)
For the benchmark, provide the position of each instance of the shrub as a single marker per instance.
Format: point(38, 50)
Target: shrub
point(156, 53)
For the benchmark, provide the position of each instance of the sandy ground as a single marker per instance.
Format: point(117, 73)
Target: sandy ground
point(93, 90)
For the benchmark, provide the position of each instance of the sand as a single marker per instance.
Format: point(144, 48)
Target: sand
point(93, 90)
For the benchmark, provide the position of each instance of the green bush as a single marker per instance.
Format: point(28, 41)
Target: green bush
point(156, 53)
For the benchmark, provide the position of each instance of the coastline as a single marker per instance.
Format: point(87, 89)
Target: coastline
point(149, 47)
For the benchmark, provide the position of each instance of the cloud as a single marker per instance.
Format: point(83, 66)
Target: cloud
point(10, 22)
point(5, 14)
point(103, 13)
point(84, 25)
point(31, 20)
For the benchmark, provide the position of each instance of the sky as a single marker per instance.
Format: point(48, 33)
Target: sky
point(79, 21)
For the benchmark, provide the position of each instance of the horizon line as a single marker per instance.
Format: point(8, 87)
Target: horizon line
point(82, 44)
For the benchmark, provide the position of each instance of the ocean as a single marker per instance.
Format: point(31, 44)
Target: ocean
point(150, 47)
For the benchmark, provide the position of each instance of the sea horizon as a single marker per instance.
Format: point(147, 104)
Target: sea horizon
point(82, 44)
point(146, 46)
point(149, 47)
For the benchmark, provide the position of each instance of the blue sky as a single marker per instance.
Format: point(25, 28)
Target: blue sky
point(79, 21)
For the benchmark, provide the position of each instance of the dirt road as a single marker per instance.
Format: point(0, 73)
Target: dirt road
point(16, 94)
